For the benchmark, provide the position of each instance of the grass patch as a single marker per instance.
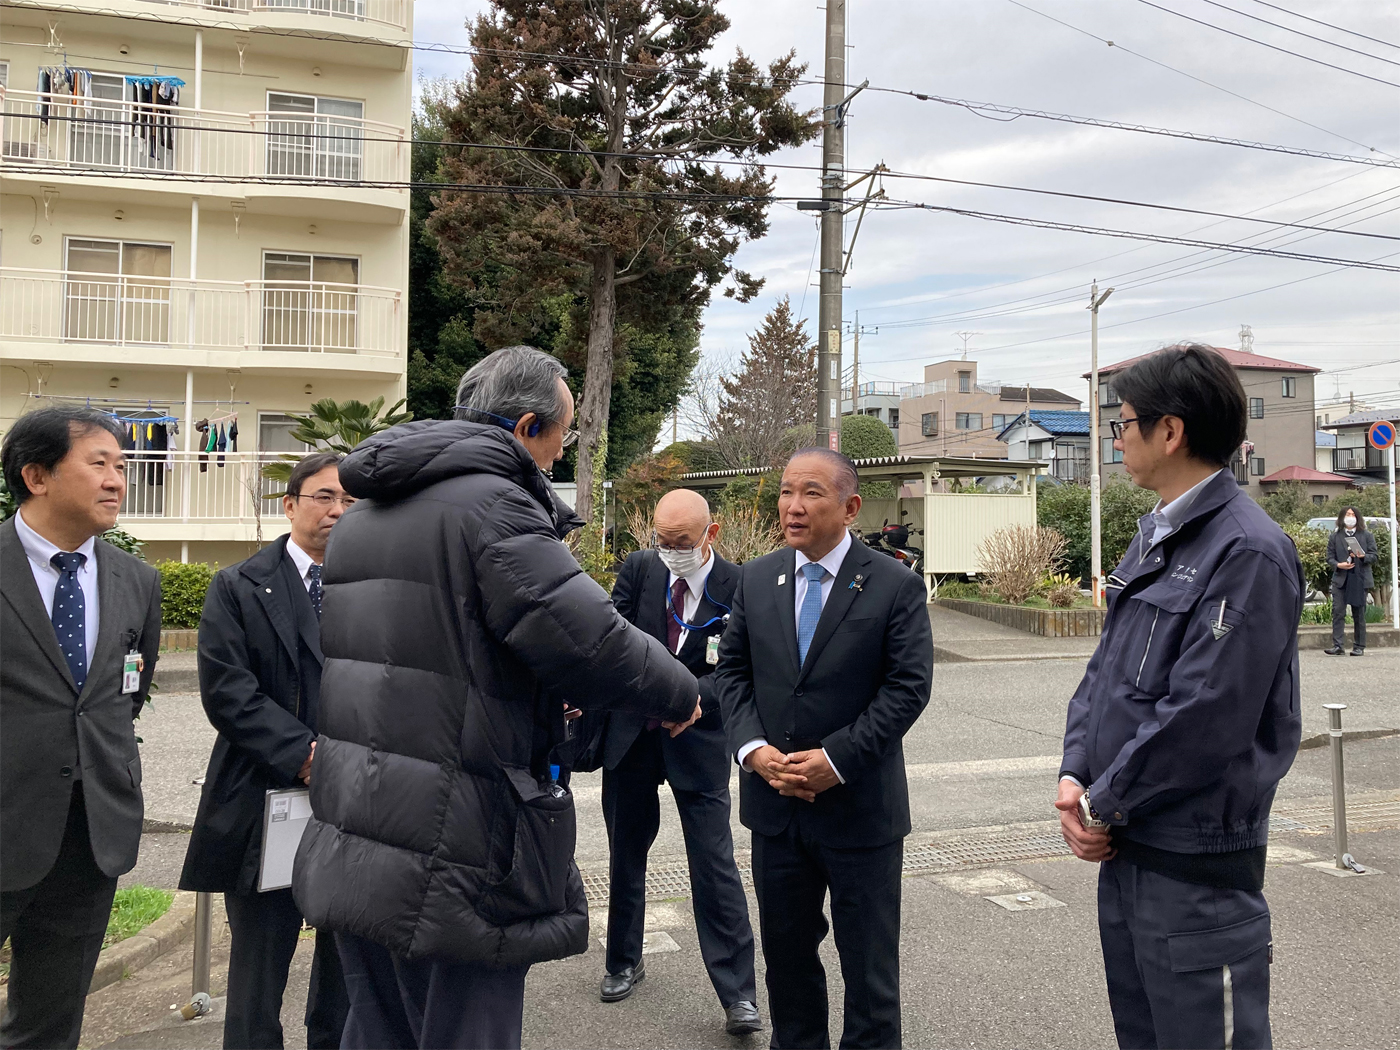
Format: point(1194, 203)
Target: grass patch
point(1322, 614)
point(135, 908)
point(1035, 601)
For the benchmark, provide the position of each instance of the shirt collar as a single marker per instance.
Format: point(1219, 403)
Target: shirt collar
point(695, 582)
point(41, 551)
point(300, 558)
point(1174, 513)
point(833, 558)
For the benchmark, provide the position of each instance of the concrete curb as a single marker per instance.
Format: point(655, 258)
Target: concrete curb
point(141, 949)
point(157, 826)
point(1324, 739)
point(942, 655)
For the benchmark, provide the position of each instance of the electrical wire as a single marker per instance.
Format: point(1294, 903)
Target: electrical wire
point(1272, 47)
point(1290, 29)
point(1329, 25)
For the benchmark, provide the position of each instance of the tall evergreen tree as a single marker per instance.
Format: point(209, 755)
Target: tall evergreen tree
point(772, 397)
point(608, 117)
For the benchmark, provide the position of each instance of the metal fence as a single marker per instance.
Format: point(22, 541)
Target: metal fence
point(214, 487)
point(383, 12)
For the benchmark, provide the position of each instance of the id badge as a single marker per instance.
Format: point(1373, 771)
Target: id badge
point(132, 666)
point(712, 650)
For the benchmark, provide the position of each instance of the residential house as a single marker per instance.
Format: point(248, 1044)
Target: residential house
point(1324, 444)
point(1280, 405)
point(204, 219)
point(1322, 485)
point(951, 413)
point(1060, 438)
point(880, 400)
point(1354, 457)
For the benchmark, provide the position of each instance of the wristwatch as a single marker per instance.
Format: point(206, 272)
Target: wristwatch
point(1088, 816)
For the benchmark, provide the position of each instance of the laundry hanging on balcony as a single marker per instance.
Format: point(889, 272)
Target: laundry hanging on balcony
point(156, 127)
point(148, 439)
point(62, 84)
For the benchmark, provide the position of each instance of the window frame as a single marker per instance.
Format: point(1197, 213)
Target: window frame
point(1290, 386)
point(124, 303)
point(928, 424)
point(964, 382)
point(1108, 452)
point(963, 421)
point(1256, 408)
point(1256, 467)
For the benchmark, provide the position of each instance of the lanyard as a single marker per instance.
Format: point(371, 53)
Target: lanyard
point(670, 608)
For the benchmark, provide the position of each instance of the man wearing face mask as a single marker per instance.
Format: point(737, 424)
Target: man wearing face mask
point(679, 592)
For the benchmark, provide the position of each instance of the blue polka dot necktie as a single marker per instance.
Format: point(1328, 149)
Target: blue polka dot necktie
point(313, 572)
point(70, 614)
point(811, 609)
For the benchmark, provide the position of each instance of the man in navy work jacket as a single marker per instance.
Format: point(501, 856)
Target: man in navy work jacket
point(680, 593)
point(1186, 720)
point(826, 663)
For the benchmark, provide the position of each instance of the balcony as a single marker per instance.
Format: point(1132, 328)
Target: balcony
point(1358, 459)
point(312, 317)
point(96, 136)
point(194, 495)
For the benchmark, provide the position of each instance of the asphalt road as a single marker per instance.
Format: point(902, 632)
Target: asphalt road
point(983, 754)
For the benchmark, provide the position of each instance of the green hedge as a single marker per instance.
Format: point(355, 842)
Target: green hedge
point(182, 589)
point(1065, 508)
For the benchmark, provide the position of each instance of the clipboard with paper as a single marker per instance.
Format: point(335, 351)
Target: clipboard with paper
point(285, 815)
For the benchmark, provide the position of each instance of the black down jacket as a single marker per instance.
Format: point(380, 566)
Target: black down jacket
point(455, 623)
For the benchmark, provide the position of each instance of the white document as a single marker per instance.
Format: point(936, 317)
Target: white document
point(285, 814)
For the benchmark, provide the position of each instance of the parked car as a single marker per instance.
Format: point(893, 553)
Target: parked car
point(1330, 524)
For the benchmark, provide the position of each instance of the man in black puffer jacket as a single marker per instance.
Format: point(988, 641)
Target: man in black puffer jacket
point(455, 626)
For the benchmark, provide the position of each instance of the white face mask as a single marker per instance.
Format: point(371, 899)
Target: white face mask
point(1349, 522)
point(682, 563)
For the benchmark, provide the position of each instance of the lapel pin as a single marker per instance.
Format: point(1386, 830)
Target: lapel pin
point(856, 584)
point(782, 578)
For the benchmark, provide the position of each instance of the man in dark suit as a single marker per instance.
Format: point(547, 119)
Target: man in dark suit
point(679, 593)
point(826, 664)
point(260, 679)
point(81, 627)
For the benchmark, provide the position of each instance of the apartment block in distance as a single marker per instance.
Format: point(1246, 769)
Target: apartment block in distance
point(203, 228)
point(950, 413)
point(1281, 425)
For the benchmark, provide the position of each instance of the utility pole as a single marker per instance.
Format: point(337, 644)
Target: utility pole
point(833, 177)
point(1095, 481)
point(857, 331)
point(675, 424)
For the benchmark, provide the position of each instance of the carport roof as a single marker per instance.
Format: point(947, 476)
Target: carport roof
point(890, 467)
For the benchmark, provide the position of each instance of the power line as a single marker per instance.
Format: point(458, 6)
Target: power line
point(1272, 47)
point(1329, 25)
point(1192, 76)
point(1290, 29)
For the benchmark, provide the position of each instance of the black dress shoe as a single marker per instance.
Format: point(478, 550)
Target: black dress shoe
point(741, 1018)
point(1336, 650)
point(1358, 651)
point(618, 986)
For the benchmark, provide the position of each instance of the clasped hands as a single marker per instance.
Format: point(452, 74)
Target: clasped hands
point(802, 774)
point(1092, 844)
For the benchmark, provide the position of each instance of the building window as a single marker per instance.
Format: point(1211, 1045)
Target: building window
point(1290, 386)
point(117, 292)
point(1000, 421)
point(1110, 454)
point(1256, 466)
point(969, 420)
point(1319, 500)
point(310, 302)
point(314, 137)
point(1107, 395)
point(930, 424)
point(1256, 408)
point(894, 418)
point(964, 382)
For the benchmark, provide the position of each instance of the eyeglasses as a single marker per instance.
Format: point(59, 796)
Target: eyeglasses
point(658, 545)
point(570, 434)
point(325, 499)
point(1120, 425)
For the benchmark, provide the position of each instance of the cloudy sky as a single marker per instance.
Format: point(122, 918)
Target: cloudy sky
point(921, 277)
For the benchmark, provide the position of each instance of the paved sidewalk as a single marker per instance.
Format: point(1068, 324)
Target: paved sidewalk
point(960, 638)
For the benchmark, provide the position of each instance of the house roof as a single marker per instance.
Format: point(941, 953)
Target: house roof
point(1038, 394)
point(1305, 474)
point(1322, 439)
point(1054, 422)
point(1364, 419)
point(1236, 358)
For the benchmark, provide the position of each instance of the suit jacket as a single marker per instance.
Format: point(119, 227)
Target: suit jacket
point(865, 681)
point(48, 728)
point(260, 681)
point(698, 759)
point(1338, 551)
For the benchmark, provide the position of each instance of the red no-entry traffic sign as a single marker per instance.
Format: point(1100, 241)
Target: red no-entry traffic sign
point(1381, 435)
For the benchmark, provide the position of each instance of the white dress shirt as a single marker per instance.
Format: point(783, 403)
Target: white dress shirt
point(831, 562)
point(302, 561)
point(694, 590)
point(40, 553)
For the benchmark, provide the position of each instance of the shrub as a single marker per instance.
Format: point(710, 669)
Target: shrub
point(1290, 504)
point(1065, 508)
point(1123, 503)
point(1061, 590)
point(590, 550)
point(1322, 614)
point(865, 437)
point(183, 586)
point(124, 541)
point(746, 533)
point(1312, 552)
point(1015, 560)
point(959, 590)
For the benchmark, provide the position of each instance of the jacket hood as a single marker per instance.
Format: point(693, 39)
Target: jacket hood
point(398, 462)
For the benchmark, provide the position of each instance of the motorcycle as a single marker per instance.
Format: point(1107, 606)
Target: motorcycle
point(893, 540)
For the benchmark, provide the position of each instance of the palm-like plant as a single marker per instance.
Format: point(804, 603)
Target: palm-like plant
point(337, 426)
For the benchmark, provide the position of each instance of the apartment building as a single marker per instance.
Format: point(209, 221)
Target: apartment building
point(203, 228)
point(1281, 417)
point(951, 413)
point(880, 400)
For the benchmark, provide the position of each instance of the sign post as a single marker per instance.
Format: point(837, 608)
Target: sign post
point(1382, 436)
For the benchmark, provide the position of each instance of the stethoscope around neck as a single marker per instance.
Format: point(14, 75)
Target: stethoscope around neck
point(671, 608)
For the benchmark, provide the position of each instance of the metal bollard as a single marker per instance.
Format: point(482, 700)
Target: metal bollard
point(203, 936)
point(1339, 796)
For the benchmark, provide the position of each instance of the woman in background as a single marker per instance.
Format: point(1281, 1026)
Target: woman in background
point(1351, 578)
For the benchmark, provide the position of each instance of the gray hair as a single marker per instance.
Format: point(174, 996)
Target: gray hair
point(509, 383)
point(844, 471)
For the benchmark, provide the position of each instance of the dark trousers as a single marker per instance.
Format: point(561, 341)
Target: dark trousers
point(632, 812)
point(397, 1004)
point(264, 928)
point(55, 929)
point(1339, 626)
point(1188, 965)
point(791, 875)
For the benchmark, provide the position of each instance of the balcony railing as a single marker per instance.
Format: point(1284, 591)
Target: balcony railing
point(67, 306)
point(1358, 459)
point(383, 12)
point(91, 134)
point(197, 487)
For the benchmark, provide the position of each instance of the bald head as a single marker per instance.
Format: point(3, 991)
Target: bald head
point(682, 521)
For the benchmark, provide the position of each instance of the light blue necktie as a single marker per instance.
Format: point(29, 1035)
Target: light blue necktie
point(811, 609)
